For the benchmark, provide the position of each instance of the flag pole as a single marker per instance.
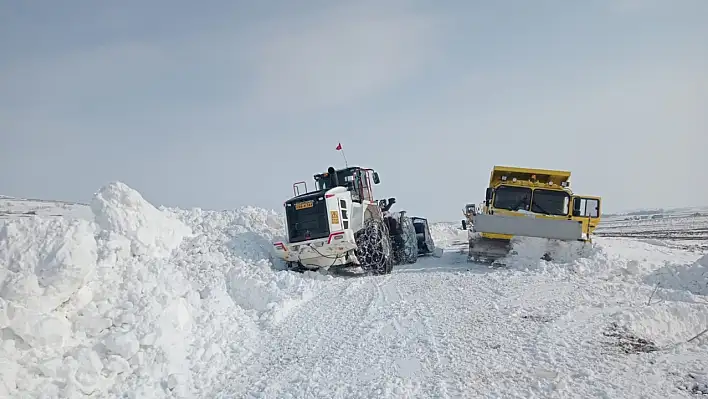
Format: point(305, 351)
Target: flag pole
point(339, 148)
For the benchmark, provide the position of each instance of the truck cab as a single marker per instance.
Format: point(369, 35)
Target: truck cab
point(540, 194)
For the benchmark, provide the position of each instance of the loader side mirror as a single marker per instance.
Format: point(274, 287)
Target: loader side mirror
point(464, 225)
point(489, 195)
point(376, 178)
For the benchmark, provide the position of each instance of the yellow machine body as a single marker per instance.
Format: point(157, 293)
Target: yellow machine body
point(541, 197)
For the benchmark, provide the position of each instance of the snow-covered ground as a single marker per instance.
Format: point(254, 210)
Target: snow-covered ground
point(682, 228)
point(122, 299)
point(11, 208)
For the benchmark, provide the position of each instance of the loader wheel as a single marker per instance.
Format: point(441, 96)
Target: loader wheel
point(410, 241)
point(374, 248)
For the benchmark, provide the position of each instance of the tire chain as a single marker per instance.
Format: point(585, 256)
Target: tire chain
point(373, 247)
point(410, 240)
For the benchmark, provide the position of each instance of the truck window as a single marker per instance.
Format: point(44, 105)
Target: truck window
point(586, 207)
point(512, 198)
point(550, 202)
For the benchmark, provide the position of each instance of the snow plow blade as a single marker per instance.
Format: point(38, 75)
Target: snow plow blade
point(559, 229)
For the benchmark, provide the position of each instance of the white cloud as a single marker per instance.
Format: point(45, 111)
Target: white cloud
point(339, 56)
point(302, 62)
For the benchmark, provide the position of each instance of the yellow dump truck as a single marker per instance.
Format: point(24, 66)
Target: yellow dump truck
point(531, 203)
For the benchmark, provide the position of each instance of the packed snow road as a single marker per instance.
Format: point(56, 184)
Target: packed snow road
point(448, 332)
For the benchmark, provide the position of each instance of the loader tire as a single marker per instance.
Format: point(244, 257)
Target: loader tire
point(374, 248)
point(410, 252)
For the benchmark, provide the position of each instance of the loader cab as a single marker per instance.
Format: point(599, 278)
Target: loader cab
point(359, 181)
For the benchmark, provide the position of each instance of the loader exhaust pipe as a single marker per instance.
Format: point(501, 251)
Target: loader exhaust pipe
point(334, 180)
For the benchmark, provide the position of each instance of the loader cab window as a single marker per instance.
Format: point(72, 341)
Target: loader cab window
point(512, 198)
point(346, 178)
point(363, 178)
point(353, 185)
point(550, 202)
point(323, 183)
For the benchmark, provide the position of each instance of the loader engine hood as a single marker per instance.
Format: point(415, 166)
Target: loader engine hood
point(306, 217)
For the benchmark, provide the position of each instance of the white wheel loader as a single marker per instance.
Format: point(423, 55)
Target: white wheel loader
point(339, 224)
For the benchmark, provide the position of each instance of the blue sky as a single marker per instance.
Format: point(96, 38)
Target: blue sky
point(226, 103)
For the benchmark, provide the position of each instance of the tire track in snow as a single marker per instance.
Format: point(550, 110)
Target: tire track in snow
point(437, 367)
point(436, 315)
point(284, 344)
point(311, 334)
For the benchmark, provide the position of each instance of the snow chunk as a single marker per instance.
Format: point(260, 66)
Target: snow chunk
point(123, 344)
point(120, 209)
point(665, 323)
point(527, 253)
point(272, 296)
point(692, 278)
point(8, 368)
point(44, 261)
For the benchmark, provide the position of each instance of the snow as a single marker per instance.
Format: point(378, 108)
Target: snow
point(689, 277)
point(120, 298)
point(123, 211)
point(13, 208)
point(446, 235)
point(134, 299)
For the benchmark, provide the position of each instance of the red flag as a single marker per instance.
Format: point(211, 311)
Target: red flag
point(339, 147)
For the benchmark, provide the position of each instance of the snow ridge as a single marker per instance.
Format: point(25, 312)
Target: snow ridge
point(137, 302)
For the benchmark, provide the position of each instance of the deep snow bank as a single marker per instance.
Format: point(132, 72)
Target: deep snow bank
point(675, 313)
point(692, 277)
point(606, 258)
point(235, 252)
point(141, 303)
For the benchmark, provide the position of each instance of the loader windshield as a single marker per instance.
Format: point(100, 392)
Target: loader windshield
point(550, 202)
point(512, 198)
point(345, 178)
